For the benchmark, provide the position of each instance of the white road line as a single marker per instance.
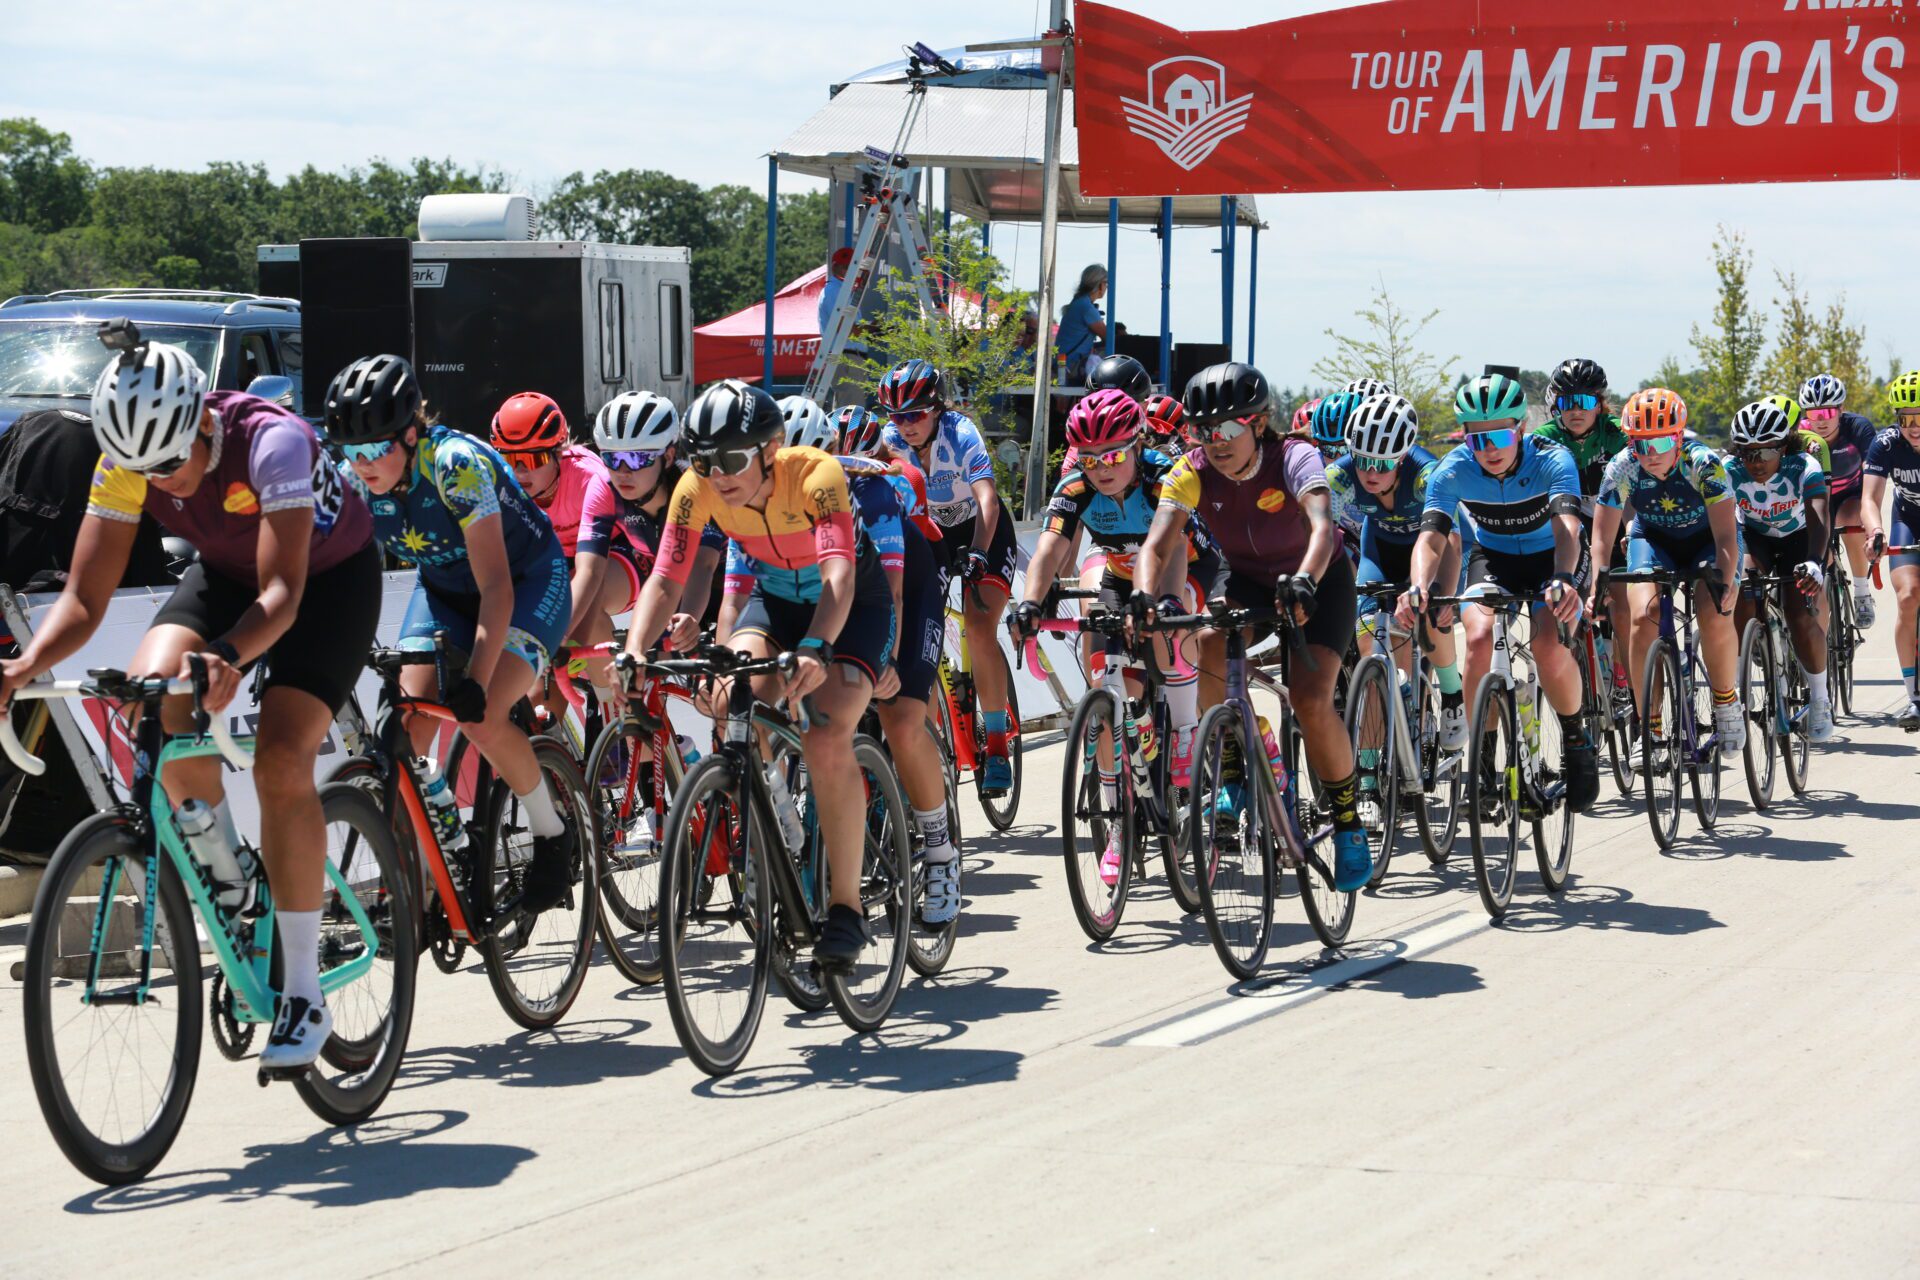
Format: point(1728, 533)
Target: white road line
point(1265, 997)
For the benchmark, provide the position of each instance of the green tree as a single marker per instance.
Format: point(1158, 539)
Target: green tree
point(1796, 342)
point(1390, 350)
point(216, 217)
point(43, 185)
point(1731, 346)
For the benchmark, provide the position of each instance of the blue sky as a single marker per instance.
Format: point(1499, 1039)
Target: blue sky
point(704, 91)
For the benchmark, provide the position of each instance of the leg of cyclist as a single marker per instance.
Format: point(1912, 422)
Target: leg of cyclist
point(1846, 515)
point(983, 602)
point(1906, 592)
point(1810, 644)
point(904, 720)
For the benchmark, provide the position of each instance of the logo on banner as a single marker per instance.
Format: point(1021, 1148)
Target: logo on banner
point(1187, 113)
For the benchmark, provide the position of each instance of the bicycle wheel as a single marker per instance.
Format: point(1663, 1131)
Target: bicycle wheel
point(716, 953)
point(799, 978)
point(1757, 685)
point(1232, 853)
point(113, 1074)
point(1096, 816)
point(1703, 771)
point(1493, 795)
point(1662, 745)
point(1614, 714)
point(1796, 747)
point(537, 964)
point(1000, 809)
point(864, 995)
point(372, 1014)
point(1370, 726)
point(629, 823)
point(1552, 826)
point(1329, 911)
point(929, 947)
point(1437, 810)
point(1842, 638)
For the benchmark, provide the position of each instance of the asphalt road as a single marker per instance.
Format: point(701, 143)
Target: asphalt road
point(1703, 1062)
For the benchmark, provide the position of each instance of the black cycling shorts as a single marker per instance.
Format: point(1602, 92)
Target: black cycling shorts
point(323, 652)
point(1519, 573)
point(1003, 553)
point(1777, 554)
point(1335, 606)
point(923, 628)
point(865, 642)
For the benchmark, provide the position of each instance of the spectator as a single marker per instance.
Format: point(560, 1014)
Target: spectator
point(1081, 324)
point(46, 468)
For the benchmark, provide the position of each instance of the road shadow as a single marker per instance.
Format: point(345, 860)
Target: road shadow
point(573, 1053)
point(389, 1157)
point(1751, 840)
point(1418, 980)
point(1031, 840)
point(1856, 806)
point(1141, 936)
point(1879, 749)
point(1600, 906)
point(1410, 879)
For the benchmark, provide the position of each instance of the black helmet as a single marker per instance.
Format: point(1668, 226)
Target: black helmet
point(1123, 372)
point(373, 399)
point(1577, 377)
point(731, 415)
point(1223, 391)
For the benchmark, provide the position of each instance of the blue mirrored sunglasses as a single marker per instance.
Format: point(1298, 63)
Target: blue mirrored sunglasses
point(1501, 439)
point(629, 460)
point(1563, 403)
point(369, 452)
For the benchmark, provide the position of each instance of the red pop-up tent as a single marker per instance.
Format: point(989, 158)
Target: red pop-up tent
point(735, 346)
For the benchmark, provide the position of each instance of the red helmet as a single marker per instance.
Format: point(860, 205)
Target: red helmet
point(1104, 420)
point(1303, 416)
point(529, 421)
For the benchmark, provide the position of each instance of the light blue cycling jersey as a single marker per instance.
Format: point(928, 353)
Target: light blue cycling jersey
point(1512, 514)
point(954, 459)
point(1778, 504)
point(1401, 524)
point(1670, 506)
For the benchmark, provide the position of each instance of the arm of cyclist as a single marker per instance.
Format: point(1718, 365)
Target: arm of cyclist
point(285, 539)
point(693, 601)
point(989, 499)
point(1051, 553)
point(1724, 519)
point(1166, 539)
point(1607, 520)
point(1563, 597)
point(100, 555)
point(1323, 543)
point(1873, 492)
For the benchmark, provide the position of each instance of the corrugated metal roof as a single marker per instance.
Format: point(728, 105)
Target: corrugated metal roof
point(991, 141)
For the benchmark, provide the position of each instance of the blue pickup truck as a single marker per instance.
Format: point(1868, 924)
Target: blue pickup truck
point(49, 356)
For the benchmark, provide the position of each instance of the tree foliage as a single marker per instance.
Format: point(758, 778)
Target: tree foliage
point(1731, 344)
point(1390, 350)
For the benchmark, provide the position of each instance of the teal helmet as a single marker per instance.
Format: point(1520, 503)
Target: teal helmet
point(1329, 422)
point(1491, 397)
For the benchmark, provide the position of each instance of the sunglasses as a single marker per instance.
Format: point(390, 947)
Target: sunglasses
point(161, 470)
point(1223, 432)
point(1503, 438)
point(1563, 403)
point(1760, 454)
point(908, 418)
point(369, 452)
point(728, 462)
point(1908, 417)
point(1821, 415)
point(1376, 465)
point(1102, 461)
point(531, 459)
point(1655, 445)
point(630, 459)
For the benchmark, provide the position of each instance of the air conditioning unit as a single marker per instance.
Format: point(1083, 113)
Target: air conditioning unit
point(477, 216)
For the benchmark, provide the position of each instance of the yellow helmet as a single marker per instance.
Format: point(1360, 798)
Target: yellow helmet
point(1904, 391)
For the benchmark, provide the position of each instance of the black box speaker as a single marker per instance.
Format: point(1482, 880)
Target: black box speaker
point(356, 299)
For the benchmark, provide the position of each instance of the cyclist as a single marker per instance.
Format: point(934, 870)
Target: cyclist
point(1115, 372)
point(1327, 429)
point(1583, 423)
point(1848, 436)
point(883, 502)
point(1894, 460)
point(1165, 428)
point(492, 579)
point(570, 484)
point(1383, 483)
point(1302, 423)
point(1783, 514)
point(1523, 495)
point(976, 534)
point(637, 433)
point(1683, 520)
point(817, 592)
point(1265, 501)
point(287, 572)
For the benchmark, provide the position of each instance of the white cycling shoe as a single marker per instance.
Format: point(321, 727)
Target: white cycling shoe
point(1820, 722)
point(1730, 724)
point(1453, 728)
point(1863, 610)
point(300, 1030)
point(942, 902)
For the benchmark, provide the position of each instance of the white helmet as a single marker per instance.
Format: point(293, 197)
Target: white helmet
point(1368, 387)
point(637, 421)
point(147, 405)
point(808, 424)
point(1384, 426)
point(1761, 423)
point(1822, 391)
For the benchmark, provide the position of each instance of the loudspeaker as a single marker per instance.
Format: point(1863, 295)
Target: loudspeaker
point(356, 299)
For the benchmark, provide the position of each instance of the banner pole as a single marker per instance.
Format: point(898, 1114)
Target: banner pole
point(773, 272)
point(1253, 290)
point(1037, 490)
point(1113, 263)
point(1229, 215)
point(1166, 290)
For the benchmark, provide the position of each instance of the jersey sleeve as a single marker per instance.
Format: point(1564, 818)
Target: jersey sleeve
point(1443, 497)
point(1181, 488)
point(1563, 481)
point(1710, 477)
point(596, 515)
point(1614, 480)
point(712, 539)
point(687, 511)
point(975, 463)
point(116, 493)
point(1304, 468)
point(1069, 503)
point(823, 487)
point(467, 480)
point(280, 465)
point(1877, 456)
point(1813, 480)
point(880, 514)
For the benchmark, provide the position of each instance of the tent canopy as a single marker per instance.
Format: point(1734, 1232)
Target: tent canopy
point(735, 346)
point(990, 142)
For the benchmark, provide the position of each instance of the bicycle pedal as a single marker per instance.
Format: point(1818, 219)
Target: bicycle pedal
point(268, 1075)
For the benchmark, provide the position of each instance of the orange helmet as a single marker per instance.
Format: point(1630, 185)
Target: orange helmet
point(529, 421)
point(1654, 412)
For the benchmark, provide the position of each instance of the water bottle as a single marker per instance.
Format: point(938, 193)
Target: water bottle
point(1272, 745)
point(1529, 721)
point(442, 806)
point(688, 755)
point(785, 811)
point(210, 847)
point(1142, 741)
point(1406, 696)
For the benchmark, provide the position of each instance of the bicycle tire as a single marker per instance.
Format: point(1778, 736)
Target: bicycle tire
point(1096, 905)
point(1370, 729)
point(1002, 809)
point(1662, 765)
point(544, 939)
point(1174, 848)
point(1756, 698)
point(97, 839)
point(1496, 861)
point(1552, 829)
point(713, 792)
point(930, 947)
point(864, 995)
point(1703, 775)
point(1437, 811)
point(629, 867)
point(1236, 884)
point(1329, 911)
point(1617, 729)
point(1796, 746)
point(367, 1064)
point(1843, 637)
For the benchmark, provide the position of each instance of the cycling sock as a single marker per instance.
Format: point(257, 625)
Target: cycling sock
point(542, 818)
point(933, 830)
point(1109, 788)
point(1572, 732)
point(300, 957)
point(1911, 675)
point(1817, 685)
point(1725, 698)
point(1183, 702)
point(994, 725)
point(1448, 678)
point(604, 693)
point(1345, 796)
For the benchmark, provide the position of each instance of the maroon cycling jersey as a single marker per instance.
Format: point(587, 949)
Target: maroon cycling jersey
point(1257, 522)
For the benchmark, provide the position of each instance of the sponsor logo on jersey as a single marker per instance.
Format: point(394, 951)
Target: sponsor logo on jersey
point(1271, 500)
point(240, 500)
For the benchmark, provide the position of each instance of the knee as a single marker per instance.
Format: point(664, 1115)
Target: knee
point(283, 771)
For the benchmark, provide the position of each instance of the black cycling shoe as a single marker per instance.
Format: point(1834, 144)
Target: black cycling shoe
point(1580, 765)
point(550, 875)
point(842, 939)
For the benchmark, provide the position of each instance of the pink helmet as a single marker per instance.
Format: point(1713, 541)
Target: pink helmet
point(1104, 420)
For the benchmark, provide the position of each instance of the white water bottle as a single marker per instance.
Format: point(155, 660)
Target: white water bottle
point(210, 847)
point(784, 809)
point(442, 805)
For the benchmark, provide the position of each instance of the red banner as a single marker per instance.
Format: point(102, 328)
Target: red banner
point(1434, 94)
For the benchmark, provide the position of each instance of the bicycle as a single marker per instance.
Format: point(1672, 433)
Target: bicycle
point(112, 941)
point(1906, 722)
point(1516, 773)
point(956, 715)
point(1393, 718)
point(1773, 690)
point(1239, 851)
point(929, 947)
point(1606, 707)
point(729, 825)
point(536, 964)
point(1844, 636)
point(1108, 720)
point(1677, 731)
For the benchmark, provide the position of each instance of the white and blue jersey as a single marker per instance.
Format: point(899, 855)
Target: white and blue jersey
point(1512, 514)
point(1898, 463)
point(954, 460)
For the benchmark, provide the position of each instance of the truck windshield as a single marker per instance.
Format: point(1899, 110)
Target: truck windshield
point(64, 358)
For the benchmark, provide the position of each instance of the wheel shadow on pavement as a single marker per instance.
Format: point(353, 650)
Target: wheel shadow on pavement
point(389, 1157)
point(1418, 878)
point(1856, 806)
point(1600, 906)
point(573, 1053)
point(1751, 840)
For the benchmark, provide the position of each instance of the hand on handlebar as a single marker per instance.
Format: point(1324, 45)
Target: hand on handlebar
point(1296, 596)
point(889, 683)
point(976, 567)
point(223, 679)
point(809, 673)
point(1563, 601)
point(1876, 544)
point(1024, 622)
point(683, 632)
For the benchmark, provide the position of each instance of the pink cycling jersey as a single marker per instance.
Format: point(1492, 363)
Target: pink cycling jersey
point(581, 508)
